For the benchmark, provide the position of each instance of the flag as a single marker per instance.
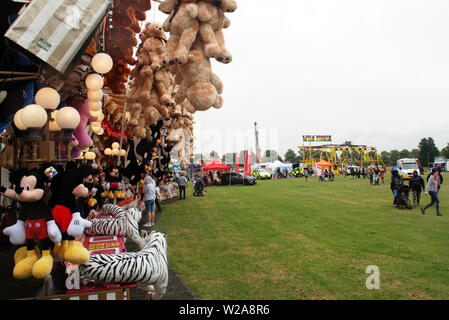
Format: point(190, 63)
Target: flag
point(237, 160)
point(247, 168)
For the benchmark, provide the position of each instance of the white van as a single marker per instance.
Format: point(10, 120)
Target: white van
point(406, 166)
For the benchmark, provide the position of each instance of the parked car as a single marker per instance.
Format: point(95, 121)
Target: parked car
point(297, 172)
point(261, 174)
point(237, 178)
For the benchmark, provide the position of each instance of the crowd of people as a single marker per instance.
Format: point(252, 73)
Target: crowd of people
point(416, 185)
point(327, 175)
point(375, 174)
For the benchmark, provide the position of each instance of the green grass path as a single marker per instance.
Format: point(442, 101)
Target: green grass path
point(288, 239)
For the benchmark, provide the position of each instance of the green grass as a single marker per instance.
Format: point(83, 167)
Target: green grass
point(288, 239)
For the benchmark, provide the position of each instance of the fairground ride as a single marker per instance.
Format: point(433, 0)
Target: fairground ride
point(340, 155)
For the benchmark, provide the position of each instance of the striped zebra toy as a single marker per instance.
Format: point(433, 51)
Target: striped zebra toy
point(121, 223)
point(148, 267)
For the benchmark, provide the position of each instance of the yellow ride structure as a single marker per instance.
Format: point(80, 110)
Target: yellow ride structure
point(340, 155)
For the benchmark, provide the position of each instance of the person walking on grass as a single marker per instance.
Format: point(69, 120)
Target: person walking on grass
point(149, 197)
point(306, 173)
point(433, 188)
point(396, 182)
point(182, 182)
point(416, 183)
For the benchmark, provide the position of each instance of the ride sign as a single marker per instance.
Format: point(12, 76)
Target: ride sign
point(316, 138)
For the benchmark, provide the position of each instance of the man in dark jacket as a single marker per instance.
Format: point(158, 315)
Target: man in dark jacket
point(416, 183)
point(396, 181)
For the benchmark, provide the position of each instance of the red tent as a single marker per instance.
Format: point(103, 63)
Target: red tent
point(215, 165)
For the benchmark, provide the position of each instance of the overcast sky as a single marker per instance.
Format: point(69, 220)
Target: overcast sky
point(375, 72)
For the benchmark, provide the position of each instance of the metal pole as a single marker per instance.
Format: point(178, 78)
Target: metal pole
point(257, 142)
point(121, 134)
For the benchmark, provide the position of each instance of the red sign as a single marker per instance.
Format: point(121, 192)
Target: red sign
point(104, 244)
point(113, 132)
point(237, 160)
point(247, 169)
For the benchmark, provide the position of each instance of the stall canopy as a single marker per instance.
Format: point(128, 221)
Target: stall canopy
point(215, 165)
point(276, 164)
point(324, 163)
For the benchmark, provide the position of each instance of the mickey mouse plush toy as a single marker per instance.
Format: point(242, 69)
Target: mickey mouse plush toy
point(67, 212)
point(113, 184)
point(35, 223)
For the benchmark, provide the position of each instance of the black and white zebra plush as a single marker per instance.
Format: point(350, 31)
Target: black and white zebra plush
point(148, 267)
point(124, 223)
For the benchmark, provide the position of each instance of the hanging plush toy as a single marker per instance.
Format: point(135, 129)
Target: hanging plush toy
point(80, 133)
point(113, 185)
point(183, 26)
point(133, 171)
point(69, 199)
point(35, 224)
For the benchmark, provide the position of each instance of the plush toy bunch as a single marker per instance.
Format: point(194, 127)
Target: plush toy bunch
point(120, 38)
point(151, 86)
point(196, 35)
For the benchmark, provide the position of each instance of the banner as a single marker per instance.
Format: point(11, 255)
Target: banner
point(113, 132)
point(237, 160)
point(317, 138)
point(56, 31)
point(247, 168)
point(259, 158)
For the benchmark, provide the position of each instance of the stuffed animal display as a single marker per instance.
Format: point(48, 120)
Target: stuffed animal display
point(196, 35)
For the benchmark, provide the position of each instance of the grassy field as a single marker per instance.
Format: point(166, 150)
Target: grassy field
point(288, 239)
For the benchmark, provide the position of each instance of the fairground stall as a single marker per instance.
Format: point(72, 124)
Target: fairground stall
point(96, 94)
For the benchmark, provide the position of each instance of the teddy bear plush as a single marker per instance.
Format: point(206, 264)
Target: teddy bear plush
point(212, 21)
point(147, 76)
point(183, 26)
point(116, 79)
point(199, 85)
point(154, 40)
point(141, 6)
point(163, 85)
point(168, 6)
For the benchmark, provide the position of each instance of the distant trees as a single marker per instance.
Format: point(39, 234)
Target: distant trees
point(395, 155)
point(290, 156)
point(385, 156)
point(404, 153)
point(445, 151)
point(427, 151)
